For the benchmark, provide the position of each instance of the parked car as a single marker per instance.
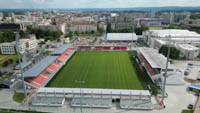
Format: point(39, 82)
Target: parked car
point(190, 106)
point(186, 72)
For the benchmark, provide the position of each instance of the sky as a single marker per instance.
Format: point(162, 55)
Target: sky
point(94, 3)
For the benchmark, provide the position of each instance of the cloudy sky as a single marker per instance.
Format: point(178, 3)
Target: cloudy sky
point(94, 3)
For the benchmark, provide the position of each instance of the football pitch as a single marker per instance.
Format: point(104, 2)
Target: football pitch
point(111, 70)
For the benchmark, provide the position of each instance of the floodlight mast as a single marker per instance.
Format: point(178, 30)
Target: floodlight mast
point(20, 66)
point(166, 69)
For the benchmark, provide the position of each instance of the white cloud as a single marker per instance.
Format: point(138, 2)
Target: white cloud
point(19, 1)
point(94, 3)
point(39, 1)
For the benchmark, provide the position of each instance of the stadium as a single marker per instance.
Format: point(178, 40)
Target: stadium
point(91, 76)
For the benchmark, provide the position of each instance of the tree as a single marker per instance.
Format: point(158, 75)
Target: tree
point(5, 63)
point(140, 30)
point(92, 32)
point(174, 52)
point(70, 35)
point(100, 30)
point(109, 28)
point(10, 60)
point(77, 33)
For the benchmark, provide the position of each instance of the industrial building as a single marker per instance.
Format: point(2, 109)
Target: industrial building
point(188, 42)
point(176, 36)
point(121, 37)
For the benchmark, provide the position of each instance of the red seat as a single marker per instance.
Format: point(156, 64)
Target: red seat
point(117, 48)
point(148, 66)
point(106, 48)
point(124, 48)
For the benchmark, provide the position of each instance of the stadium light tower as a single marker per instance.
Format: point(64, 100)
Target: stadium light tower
point(19, 60)
point(80, 82)
point(166, 69)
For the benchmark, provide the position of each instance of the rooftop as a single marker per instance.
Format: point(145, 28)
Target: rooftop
point(121, 36)
point(155, 59)
point(61, 49)
point(188, 47)
point(6, 44)
point(174, 33)
point(83, 23)
point(39, 67)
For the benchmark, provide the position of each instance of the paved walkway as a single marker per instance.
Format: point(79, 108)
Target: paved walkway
point(197, 107)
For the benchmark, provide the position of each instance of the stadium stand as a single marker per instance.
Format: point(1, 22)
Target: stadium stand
point(86, 91)
point(42, 65)
point(106, 48)
point(148, 66)
point(98, 48)
point(48, 101)
point(48, 67)
point(142, 103)
point(61, 49)
point(62, 58)
point(102, 48)
point(117, 48)
point(123, 48)
point(95, 102)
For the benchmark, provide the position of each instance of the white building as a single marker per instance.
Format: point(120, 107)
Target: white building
point(84, 26)
point(1, 15)
point(176, 36)
point(150, 22)
point(28, 43)
point(121, 37)
point(7, 48)
point(188, 51)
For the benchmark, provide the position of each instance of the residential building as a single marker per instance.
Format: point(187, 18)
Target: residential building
point(31, 42)
point(150, 22)
point(1, 15)
point(83, 26)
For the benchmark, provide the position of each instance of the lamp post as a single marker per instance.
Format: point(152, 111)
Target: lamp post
point(166, 69)
point(20, 66)
point(80, 82)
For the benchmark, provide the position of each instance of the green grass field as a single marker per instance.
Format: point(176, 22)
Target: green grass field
point(99, 70)
point(111, 70)
point(3, 58)
point(18, 97)
point(187, 111)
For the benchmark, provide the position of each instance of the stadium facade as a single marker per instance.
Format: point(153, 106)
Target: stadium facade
point(49, 66)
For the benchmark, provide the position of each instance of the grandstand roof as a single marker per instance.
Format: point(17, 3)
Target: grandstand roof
point(39, 67)
point(61, 49)
point(155, 59)
point(24, 64)
point(121, 36)
point(95, 91)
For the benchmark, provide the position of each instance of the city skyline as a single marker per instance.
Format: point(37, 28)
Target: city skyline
point(9, 4)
